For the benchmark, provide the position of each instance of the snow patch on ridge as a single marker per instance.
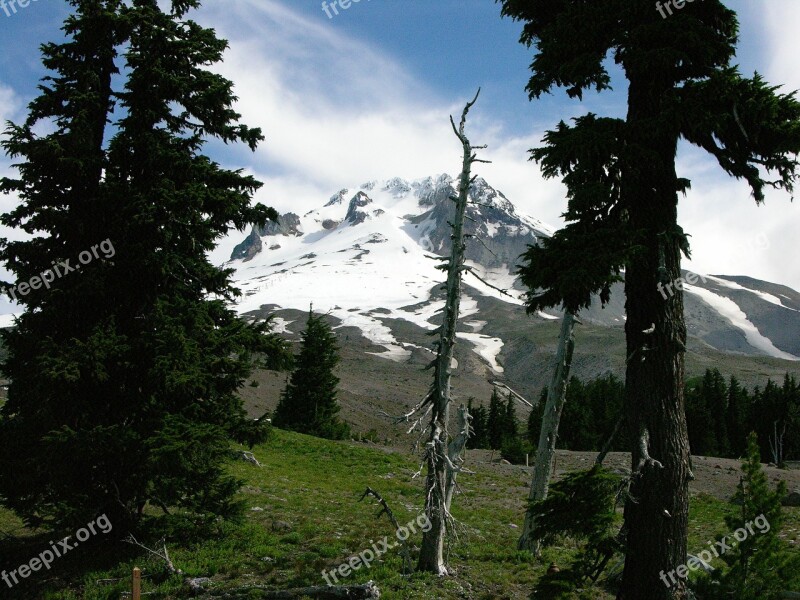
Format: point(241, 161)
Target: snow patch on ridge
point(731, 311)
point(487, 348)
point(763, 295)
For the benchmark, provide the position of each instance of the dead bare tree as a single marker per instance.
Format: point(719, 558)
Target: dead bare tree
point(443, 456)
point(556, 397)
point(776, 443)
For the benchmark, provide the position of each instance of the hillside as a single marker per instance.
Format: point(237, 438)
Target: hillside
point(371, 383)
point(303, 516)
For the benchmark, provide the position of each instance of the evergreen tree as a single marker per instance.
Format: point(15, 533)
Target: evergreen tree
point(716, 392)
point(480, 432)
point(736, 419)
point(308, 403)
point(758, 562)
point(125, 374)
point(577, 431)
point(535, 419)
point(791, 401)
point(621, 214)
point(510, 422)
point(768, 414)
point(496, 421)
point(513, 447)
point(606, 397)
point(581, 506)
point(701, 422)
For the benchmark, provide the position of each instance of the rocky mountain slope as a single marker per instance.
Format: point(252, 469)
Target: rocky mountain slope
point(367, 257)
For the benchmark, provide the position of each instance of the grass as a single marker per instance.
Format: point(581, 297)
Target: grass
point(303, 516)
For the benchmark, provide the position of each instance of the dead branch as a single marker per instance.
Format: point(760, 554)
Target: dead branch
point(607, 444)
point(407, 566)
point(471, 271)
point(405, 418)
point(162, 555)
point(475, 237)
point(251, 458)
point(645, 460)
point(500, 384)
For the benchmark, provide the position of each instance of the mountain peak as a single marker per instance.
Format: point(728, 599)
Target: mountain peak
point(337, 198)
point(355, 215)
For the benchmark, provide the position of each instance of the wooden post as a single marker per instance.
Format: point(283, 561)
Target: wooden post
point(137, 583)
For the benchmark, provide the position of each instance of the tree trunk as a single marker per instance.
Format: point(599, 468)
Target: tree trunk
point(548, 434)
point(656, 512)
point(441, 472)
point(454, 452)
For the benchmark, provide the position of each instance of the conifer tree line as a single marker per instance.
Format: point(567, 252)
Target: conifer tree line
point(496, 426)
point(720, 414)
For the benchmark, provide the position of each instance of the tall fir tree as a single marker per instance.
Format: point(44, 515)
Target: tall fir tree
point(125, 370)
point(623, 191)
point(736, 417)
point(510, 422)
point(716, 391)
point(534, 424)
point(495, 421)
point(577, 423)
point(479, 436)
point(308, 404)
point(703, 414)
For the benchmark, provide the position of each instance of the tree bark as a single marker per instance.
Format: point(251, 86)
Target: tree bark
point(548, 434)
point(656, 513)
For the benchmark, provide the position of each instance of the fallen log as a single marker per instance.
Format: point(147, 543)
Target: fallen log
point(366, 591)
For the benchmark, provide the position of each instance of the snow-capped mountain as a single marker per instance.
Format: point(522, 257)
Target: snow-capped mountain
point(367, 257)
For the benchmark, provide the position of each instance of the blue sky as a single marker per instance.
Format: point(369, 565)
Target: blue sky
point(366, 95)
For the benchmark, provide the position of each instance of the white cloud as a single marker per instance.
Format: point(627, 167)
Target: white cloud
point(336, 110)
point(731, 235)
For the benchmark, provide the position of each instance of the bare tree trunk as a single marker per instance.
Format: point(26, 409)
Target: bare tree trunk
point(441, 470)
point(548, 434)
point(455, 454)
point(776, 444)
